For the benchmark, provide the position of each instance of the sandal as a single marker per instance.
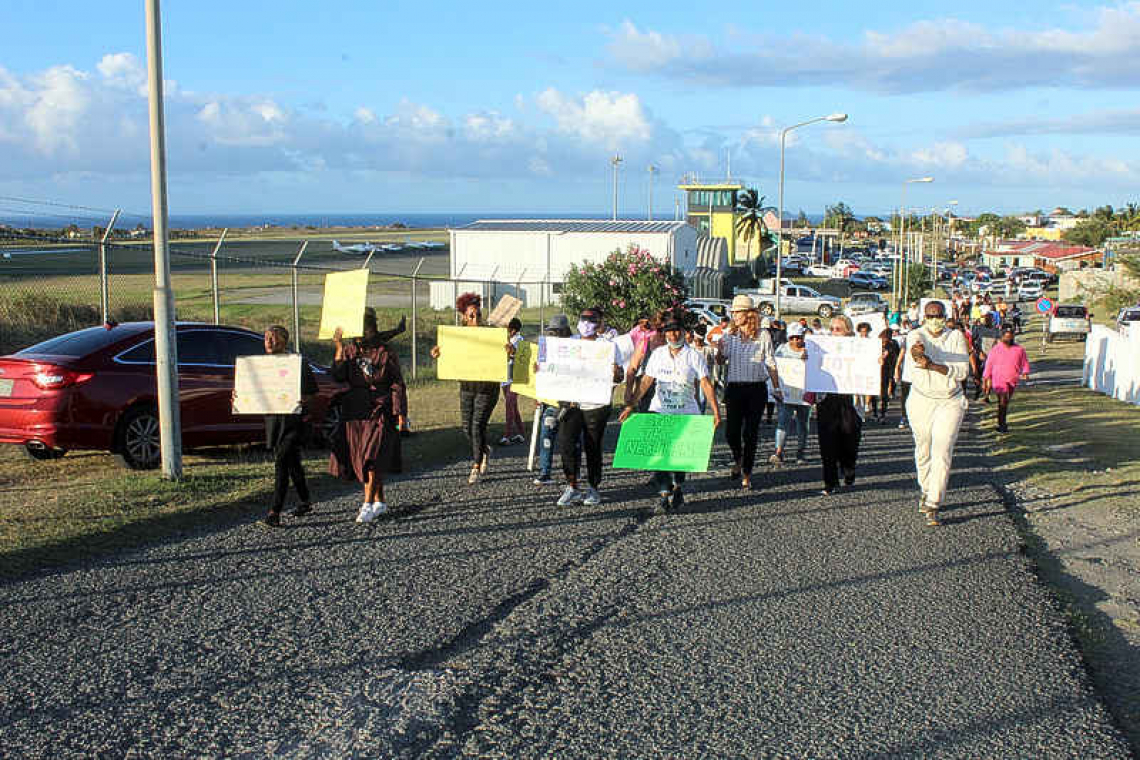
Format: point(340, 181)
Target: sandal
point(734, 473)
point(932, 518)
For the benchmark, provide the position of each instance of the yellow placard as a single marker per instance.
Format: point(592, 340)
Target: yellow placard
point(346, 294)
point(472, 353)
point(522, 374)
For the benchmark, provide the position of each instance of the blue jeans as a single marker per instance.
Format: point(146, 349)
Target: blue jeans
point(793, 417)
point(547, 436)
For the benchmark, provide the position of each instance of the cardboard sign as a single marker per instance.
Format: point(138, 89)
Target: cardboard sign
point(472, 353)
point(793, 379)
point(346, 295)
point(581, 371)
point(507, 309)
point(267, 384)
point(673, 442)
point(523, 374)
point(838, 364)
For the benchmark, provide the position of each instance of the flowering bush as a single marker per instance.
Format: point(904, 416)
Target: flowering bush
point(625, 285)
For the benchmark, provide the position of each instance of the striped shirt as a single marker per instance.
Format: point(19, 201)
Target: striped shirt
point(747, 361)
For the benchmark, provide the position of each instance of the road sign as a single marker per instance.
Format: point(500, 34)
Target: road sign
point(1044, 305)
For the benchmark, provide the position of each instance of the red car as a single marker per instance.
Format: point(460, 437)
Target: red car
point(95, 389)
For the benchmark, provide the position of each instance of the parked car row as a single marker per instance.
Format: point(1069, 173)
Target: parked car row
point(95, 389)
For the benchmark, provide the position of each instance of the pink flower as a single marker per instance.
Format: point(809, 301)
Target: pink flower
point(621, 304)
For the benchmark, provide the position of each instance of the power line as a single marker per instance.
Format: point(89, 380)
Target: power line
point(57, 204)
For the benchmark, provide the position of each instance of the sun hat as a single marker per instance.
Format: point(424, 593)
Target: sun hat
point(795, 330)
point(558, 322)
point(742, 303)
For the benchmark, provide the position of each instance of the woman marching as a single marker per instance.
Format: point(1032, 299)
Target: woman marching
point(839, 427)
point(368, 441)
point(749, 360)
point(476, 399)
point(679, 371)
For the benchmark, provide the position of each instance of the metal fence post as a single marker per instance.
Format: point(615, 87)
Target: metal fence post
point(104, 283)
point(414, 321)
point(214, 277)
point(296, 304)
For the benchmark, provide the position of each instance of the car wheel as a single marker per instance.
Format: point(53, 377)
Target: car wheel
point(767, 309)
point(137, 440)
point(826, 311)
point(44, 454)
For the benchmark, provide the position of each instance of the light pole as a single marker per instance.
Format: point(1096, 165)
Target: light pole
point(652, 171)
point(836, 117)
point(616, 161)
point(900, 261)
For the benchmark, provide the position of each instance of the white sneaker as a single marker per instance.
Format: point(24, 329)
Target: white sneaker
point(592, 497)
point(473, 478)
point(379, 508)
point(570, 495)
point(365, 513)
point(486, 463)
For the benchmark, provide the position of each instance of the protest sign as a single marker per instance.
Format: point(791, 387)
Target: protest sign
point(875, 319)
point(625, 349)
point(675, 442)
point(267, 384)
point(523, 373)
point(576, 370)
point(988, 337)
point(472, 353)
point(793, 377)
point(346, 294)
point(507, 309)
point(839, 364)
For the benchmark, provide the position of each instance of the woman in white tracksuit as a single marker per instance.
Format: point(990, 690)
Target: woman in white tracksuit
point(937, 361)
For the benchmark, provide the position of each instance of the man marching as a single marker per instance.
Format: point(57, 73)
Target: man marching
point(938, 363)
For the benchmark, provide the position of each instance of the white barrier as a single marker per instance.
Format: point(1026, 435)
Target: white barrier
point(1112, 363)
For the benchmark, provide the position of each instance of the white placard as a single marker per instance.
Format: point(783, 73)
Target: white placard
point(267, 384)
point(875, 319)
point(838, 364)
point(625, 349)
point(793, 376)
point(946, 304)
point(580, 371)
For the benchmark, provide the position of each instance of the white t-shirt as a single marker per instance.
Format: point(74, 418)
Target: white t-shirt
point(678, 378)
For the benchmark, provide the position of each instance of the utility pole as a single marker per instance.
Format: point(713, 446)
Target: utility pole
point(652, 171)
point(165, 345)
point(616, 161)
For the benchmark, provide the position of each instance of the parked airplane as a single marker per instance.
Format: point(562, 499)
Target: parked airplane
point(360, 249)
point(390, 247)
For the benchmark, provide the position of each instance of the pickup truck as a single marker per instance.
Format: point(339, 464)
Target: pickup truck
point(797, 299)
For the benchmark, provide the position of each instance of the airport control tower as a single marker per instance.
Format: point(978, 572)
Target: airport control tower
point(711, 208)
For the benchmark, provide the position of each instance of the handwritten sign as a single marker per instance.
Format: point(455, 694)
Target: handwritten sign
point(793, 379)
point(346, 294)
point(674, 442)
point(507, 309)
point(581, 371)
point(267, 384)
point(875, 319)
point(472, 353)
point(838, 364)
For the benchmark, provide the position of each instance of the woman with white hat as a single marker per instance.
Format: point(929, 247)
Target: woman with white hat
point(749, 359)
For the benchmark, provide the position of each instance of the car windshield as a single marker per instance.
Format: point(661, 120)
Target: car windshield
point(1071, 312)
point(80, 342)
point(1130, 316)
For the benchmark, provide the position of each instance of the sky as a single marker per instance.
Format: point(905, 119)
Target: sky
point(374, 107)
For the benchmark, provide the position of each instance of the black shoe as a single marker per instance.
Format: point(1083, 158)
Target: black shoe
point(828, 491)
point(663, 504)
point(301, 510)
point(273, 520)
point(849, 479)
point(678, 498)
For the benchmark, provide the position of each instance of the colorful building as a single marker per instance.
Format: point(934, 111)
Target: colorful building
point(711, 208)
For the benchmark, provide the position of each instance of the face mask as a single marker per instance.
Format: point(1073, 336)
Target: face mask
point(935, 325)
point(587, 329)
point(677, 344)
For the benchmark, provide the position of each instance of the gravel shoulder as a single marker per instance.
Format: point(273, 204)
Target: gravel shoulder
point(486, 622)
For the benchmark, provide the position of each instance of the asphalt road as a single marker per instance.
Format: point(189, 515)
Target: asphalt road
point(486, 622)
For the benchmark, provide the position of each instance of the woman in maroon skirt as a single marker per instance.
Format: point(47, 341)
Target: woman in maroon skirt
point(368, 443)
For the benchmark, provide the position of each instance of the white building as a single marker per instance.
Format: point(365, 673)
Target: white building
point(529, 258)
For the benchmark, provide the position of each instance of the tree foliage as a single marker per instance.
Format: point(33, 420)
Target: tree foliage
point(1091, 232)
point(750, 219)
point(625, 285)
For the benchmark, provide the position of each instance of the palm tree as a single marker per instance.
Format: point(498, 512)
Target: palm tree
point(1130, 217)
point(750, 217)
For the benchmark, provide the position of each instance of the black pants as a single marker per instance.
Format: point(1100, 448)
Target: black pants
point(883, 398)
point(286, 465)
point(745, 404)
point(903, 394)
point(665, 480)
point(475, 407)
point(839, 431)
point(1003, 408)
point(590, 424)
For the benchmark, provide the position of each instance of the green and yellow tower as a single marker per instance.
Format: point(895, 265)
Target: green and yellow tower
point(711, 208)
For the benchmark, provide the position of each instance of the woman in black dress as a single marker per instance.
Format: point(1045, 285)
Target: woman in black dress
point(367, 444)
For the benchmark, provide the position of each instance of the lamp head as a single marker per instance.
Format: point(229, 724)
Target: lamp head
point(922, 179)
point(837, 117)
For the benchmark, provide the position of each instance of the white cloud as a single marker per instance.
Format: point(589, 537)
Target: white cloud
point(123, 70)
point(928, 55)
point(611, 119)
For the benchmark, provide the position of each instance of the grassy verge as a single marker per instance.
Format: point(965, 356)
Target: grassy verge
point(85, 505)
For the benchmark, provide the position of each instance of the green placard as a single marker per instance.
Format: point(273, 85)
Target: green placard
point(678, 442)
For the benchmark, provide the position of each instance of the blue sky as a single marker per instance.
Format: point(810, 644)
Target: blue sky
point(418, 107)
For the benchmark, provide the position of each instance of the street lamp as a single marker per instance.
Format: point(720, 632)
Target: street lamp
point(901, 284)
point(836, 117)
point(652, 170)
point(616, 160)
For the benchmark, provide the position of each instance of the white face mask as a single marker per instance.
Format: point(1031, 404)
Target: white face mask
point(678, 344)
